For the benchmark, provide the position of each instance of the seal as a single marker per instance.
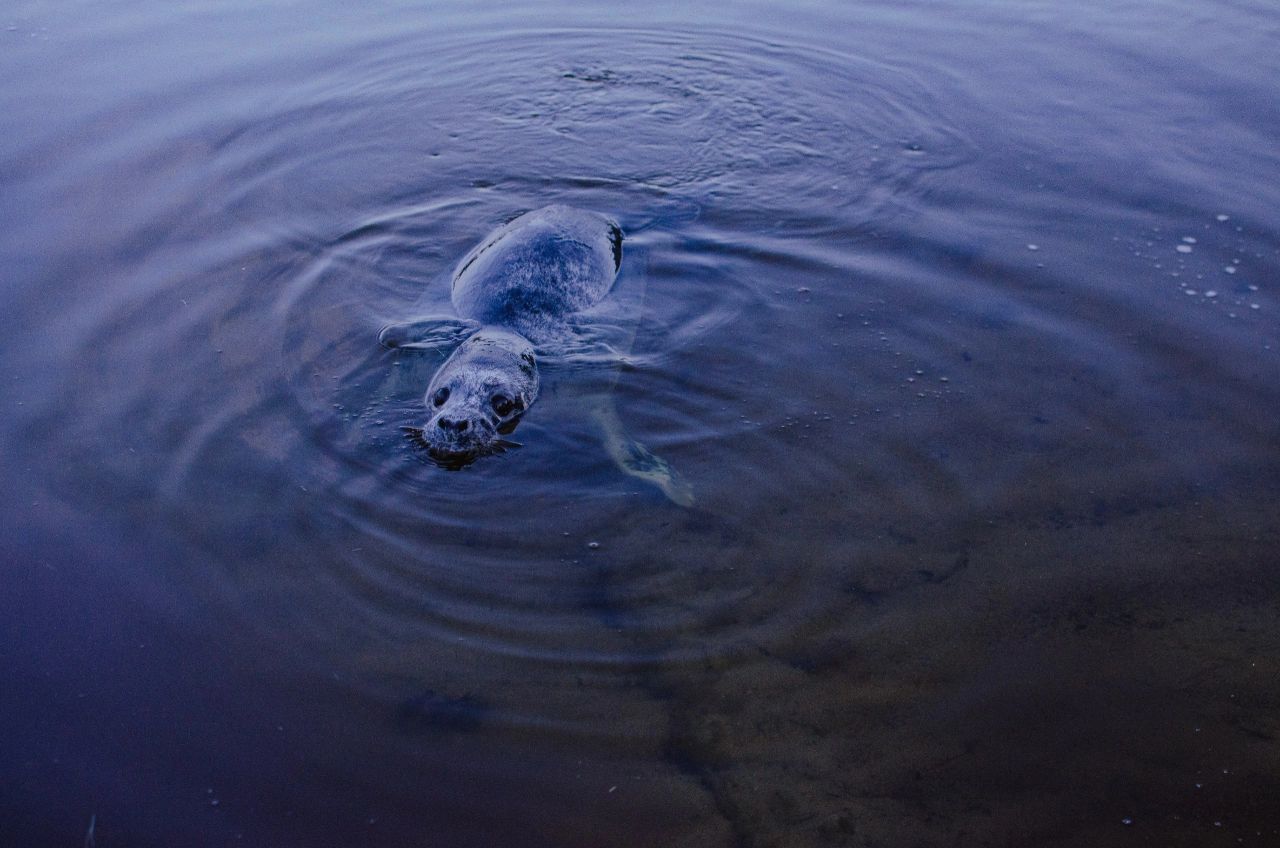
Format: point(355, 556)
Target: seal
point(516, 288)
point(516, 293)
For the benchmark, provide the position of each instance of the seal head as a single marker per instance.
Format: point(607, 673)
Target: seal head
point(478, 396)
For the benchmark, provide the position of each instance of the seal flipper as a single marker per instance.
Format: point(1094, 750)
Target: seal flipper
point(430, 333)
point(635, 459)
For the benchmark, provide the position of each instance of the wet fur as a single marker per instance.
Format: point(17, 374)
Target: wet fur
point(520, 285)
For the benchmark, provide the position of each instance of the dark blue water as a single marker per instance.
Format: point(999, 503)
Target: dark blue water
point(959, 319)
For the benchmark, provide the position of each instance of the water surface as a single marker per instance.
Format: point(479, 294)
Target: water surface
point(960, 319)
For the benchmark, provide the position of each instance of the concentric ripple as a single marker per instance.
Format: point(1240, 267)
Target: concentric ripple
point(962, 330)
point(273, 420)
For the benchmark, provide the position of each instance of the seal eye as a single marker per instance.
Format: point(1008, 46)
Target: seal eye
point(502, 405)
point(441, 395)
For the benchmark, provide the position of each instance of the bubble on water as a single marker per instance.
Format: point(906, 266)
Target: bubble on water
point(1223, 217)
point(1189, 239)
point(1126, 821)
point(1183, 248)
point(1033, 247)
point(1252, 287)
point(1211, 293)
point(1254, 306)
point(1191, 291)
point(593, 545)
point(1230, 269)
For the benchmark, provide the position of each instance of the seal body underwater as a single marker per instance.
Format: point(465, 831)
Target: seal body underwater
point(515, 294)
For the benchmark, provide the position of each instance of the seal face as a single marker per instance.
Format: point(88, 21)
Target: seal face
point(520, 284)
point(478, 396)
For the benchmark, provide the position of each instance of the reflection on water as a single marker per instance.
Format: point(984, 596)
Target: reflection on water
point(960, 322)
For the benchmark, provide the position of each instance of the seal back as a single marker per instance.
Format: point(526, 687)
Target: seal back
point(532, 273)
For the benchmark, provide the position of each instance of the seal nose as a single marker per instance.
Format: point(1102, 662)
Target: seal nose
point(459, 426)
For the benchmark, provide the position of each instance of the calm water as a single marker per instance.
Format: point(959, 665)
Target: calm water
point(960, 319)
